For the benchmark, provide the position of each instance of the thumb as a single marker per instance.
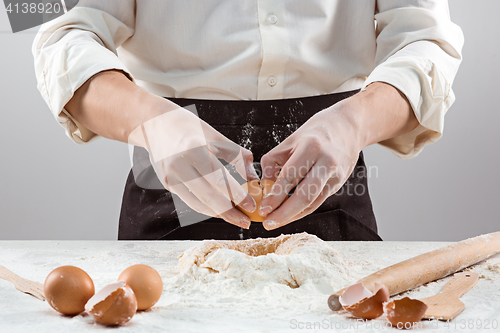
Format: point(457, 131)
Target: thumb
point(272, 162)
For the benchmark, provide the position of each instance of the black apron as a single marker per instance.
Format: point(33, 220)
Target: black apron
point(148, 211)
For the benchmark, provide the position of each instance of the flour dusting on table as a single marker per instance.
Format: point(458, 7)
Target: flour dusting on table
point(196, 301)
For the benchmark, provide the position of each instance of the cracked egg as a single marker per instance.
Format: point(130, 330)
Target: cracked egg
point(362, 303)
point(113, 305)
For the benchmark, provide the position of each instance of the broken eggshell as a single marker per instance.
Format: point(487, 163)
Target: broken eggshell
point(257, 189)
point(362, 303)
point(403, 313)
point(113, 305)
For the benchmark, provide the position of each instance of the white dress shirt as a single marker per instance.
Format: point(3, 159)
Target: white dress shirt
point(257, 50)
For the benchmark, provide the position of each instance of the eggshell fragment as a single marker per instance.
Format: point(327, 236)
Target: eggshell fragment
point(362, 303)
point(403, 313)
point(67, 289)
point(146, 284)
point(113, 305)
point(257, 189)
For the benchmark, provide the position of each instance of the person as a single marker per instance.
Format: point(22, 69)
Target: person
point(204, 88)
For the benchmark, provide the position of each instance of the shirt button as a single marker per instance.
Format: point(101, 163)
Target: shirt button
point(272, 81)
point(273, 19)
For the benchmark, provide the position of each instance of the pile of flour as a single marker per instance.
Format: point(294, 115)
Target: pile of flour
point(300, 274)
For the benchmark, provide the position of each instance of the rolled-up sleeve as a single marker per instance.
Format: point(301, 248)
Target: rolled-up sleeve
point(418, 52)
point(72, 48)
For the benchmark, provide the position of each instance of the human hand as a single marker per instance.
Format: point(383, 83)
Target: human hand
point(185, 152)
point(322, 153)
point(319, 157)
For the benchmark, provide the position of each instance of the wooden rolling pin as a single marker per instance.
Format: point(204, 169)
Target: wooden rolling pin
point(429, 266)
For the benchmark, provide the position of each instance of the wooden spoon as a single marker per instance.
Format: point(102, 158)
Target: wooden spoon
point(446, 305)
point(26, 286)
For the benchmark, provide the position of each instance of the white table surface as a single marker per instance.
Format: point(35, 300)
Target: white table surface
point(104, 260)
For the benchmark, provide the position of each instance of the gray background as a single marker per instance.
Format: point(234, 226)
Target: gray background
point(51, 188)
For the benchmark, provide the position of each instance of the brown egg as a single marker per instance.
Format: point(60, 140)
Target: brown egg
point(362, 303)
point(403, 313)
point(146, 284)
point(67, 289)
point(257, 189)
point(113, 305)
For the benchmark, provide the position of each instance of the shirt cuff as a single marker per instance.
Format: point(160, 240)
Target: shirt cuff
point(70, 67)
point(429, 94)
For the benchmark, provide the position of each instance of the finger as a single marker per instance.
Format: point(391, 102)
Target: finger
point(294, 170)
point(272, 162)
point(304, 195)
point(222, 180)
point(236, 155)
point(330, 189)
point(181, 167)
point(200, 162)
point(245, 166)
point(177, 187)
point(217, 201)
point(191, 200)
